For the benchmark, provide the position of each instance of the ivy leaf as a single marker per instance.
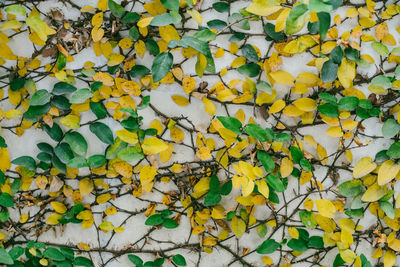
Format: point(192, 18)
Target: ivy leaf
point(329, 71)
point(390, 128)
point(297, 19)
point(5, 257)
point(116, 9)
point(250, 53)
point(40, 98)
point(251, 70)
point(161, 66)
point(231, 123)
point(179, 260)
point(171, 4)
point(268, 246)
point(103, 132)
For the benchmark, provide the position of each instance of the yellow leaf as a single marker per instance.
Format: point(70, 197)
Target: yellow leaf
point(153, 146)
point(13, 114)
point(347, 72)
point(263, 188)
point(101, 199)
point(348, 255)
point(71, 121)
point(105, 78)
point(209, 106)
point(264, 7)
point(168, 33)
point(86, 186)
point(127, 136)
point(335, 132)
point(5, 162)
point(58, 207)
point(10, 25)
point(38, 26)
point(325, 207)
point(363, 167)
point(147, 174)
point(204, 153)
point(53, 218)
point(387, 171)
point(389, 259)
point(195, 15)
point(373, 193)
point(102, 5)
point(305, 104)
point(144, 22)
point(282, 77)
point(238, 226)
point(293, 232)
point(123, 168)
point(115, 59)
point(277, 106)
point(180, 100)
point(106, 226)
point(286, 167)
point(188, 84)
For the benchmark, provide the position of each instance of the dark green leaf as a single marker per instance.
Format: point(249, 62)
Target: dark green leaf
point(394, 151)
point(296, 154)
point(6, 200)
point(316, 242)
point(221, 7)
point(82, 261)
point(64, 152)
point(116, 9)
point(96, 161)
point(268, 246)
point(348, 103)
point(17, 84)
point(61, 88)
point(161, 65)
point(250, 53)
point(77, 142)
point(171, 4)
point(155, 219)
point(329, 110)
point(276, 183)
point(337, 55)
point(102, 131)
point(54, 254)
point(130, 17)
point(329, 71)
point(61, 61)
point(251, 70)
point(297, 244)
point(40, 98)
point(257, 132)
point(216, 24)
point(78, 162)
point(25, 161)
point(170, 223)
point(266, 160)
point(324, 20)
point(212, 199)
point(98, 109)
point(135, 260)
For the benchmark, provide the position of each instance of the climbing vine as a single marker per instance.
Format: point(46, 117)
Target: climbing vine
point(199, 133)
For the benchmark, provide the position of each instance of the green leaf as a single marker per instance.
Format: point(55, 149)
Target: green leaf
point(98, 109)
point(131, 153)
point(103, 132)
point(77, 142)
point(54, 254)
point(116, 9)
point(216, 24)
point(387, 208)
point(77, 162)
point(134, 33)
point(96, 161)
point(130, 17)
point(382, 81)
point(319, 6)
point(25, 161)
point(329, 110)
point(324, 20)
point(161, 65)
point(16, 10)
point(17, 84)
point(81, 96)
point(264, 86)
point(5, 257)
point(268, 246)
point(6, 200)
point(257, 132)
point(212, 199)
point(251, 70)
point(348, 103)
point(221, 7)
point(61, 61)
point(170, 223)
point(171, 4)
point(269, 29)
point(380, 48)
point(154, 219)
point(266, 160)
point(166, 19)
point(231, 123)
point(315, 242)
point(297, 244)
point(297, 19)
point(394, 151)
point(58, 164)
point(4, 216)
point(307, 218)
point(329, 71)
point(61, 88)
point(40, 98)
point(296, 154)
point(262, 230)
point(135, 260)
point(82, 261)
point(250, 53)
point(337, 54)
point(63, 152)
point(350, 188)
point(179, 260)
point(390, 128)
point(16, 252)
point(276, 183)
